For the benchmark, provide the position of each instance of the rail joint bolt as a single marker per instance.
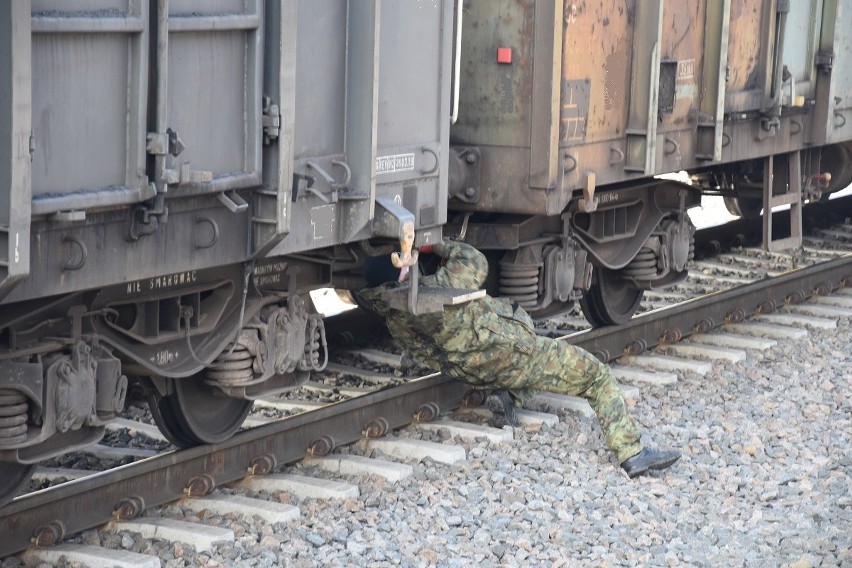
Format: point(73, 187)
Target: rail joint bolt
point(49, 534)
point(375, 428)
point(199, 486)
point(129, 508)
point(262, 464)
point(321, 446)
point(429, 411)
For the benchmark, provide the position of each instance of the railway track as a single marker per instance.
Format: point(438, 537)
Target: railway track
point(45, 517)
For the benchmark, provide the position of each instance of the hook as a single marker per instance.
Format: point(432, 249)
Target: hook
point(619, 152)
point(75, 261)
point(434, 168)
point(348, 171)
point(797, 125)
point(214, 238)
point(675, 147)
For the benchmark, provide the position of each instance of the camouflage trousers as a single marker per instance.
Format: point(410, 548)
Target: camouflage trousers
point(562, 368)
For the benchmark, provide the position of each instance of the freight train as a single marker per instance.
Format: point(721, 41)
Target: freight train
point(177, 176)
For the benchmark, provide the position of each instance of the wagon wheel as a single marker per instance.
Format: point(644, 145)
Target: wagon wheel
point(164, 418)
point(195, 413)
point(13, 477)
point(837, 160)
point(611, 300)
point(745, 207)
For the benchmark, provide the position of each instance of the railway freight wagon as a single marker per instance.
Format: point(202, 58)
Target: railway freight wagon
point(176, 176)
point(569, 110)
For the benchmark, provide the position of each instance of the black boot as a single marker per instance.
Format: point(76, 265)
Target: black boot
point(501, 403)
point(649, 459)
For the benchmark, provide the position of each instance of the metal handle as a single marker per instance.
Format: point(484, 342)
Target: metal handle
point(232, 201)
point(433, 169)
point(670, 146)
point(345, 166)
point(78, 260)
point(332, 183)
point(619, 155)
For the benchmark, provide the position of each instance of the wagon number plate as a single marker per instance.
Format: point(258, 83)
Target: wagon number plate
point(395, 163)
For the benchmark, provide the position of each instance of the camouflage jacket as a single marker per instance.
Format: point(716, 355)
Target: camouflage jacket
point(477, 341)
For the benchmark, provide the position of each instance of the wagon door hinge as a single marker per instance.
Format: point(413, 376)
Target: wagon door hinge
point(164, 143)
point(271, 121)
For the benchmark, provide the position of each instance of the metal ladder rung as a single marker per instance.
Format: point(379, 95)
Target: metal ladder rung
point(784, 199)
point(791, 197)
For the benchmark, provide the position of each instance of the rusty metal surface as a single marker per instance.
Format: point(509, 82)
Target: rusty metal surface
point(646, 88)
point(747, 54)
point(95, 500)
point(596, 67)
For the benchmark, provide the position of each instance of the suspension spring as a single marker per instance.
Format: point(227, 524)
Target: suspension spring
point(520, 283)
point(643, 266)
point(13, 417)
point(233, 368)
point(315, 340)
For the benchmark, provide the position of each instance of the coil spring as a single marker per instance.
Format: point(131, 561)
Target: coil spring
point(232, 368)
point(643, 266)
point(315, 340)
point(13, 417)
point(520, 283)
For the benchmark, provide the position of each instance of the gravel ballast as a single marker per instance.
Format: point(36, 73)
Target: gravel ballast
point(764, 481)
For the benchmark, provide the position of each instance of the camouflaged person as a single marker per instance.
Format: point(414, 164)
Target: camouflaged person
point(491, 343)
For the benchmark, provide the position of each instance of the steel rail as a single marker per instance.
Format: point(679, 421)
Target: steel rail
point(670, 324)
point(45, 517)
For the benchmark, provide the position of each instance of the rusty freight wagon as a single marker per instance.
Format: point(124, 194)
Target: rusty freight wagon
point(569, 110)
